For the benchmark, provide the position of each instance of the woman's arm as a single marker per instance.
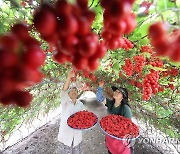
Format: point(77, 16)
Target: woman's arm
point(100, 95)
point(104, 96)
point(64, 93)
point(67, 83)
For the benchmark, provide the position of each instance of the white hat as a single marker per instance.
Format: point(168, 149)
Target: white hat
point(72, 86)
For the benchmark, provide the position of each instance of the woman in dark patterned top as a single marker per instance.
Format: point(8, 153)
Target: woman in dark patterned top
point(117, 105)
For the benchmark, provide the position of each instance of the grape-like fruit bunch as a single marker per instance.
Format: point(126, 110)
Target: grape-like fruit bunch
point(165, 44)
point(68, 27)
point(20, 60)
point(150, 84)
point(118, 19)
point(128, 67)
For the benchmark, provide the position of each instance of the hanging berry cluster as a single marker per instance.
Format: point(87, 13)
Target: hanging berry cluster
point(164, 43)
point(68, 27)
point(155, 62)
point(139, 63)
point(135, 83)
point(89, 75)
point(127, 44)
point(146, 48)
point(161, 89)
point(118, 20)
point(128, 67)
point(171, 86)
point(20, 60)
point(171, 71)
point(150, 84)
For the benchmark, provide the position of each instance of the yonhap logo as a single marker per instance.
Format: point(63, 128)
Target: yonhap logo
point(128, 141)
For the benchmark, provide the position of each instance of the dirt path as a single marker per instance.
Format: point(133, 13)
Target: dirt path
point(44, 140)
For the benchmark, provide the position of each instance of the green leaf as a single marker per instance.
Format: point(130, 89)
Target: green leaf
point(143, 29)
point(116, 66)
point(144, 41)
point(164, 5)
point(156, 68)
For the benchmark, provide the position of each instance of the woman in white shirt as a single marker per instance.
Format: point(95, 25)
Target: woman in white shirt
point(70, 139)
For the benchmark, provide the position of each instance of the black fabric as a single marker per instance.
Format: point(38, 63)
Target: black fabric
point(110, 107)
point(122, 90)
point(132, 150)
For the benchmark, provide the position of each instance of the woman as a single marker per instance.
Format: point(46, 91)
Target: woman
point(118, 105)
point(70, 140)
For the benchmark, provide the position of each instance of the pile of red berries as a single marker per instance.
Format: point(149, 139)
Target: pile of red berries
point(82, 120)
point(119, 126)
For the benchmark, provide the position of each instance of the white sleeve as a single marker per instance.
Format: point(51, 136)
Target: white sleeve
point(82, 106)
point(64, 96)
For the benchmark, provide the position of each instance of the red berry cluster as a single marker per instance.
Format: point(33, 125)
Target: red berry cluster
point(119, 126)
point(173, 72)
point(68, 27)
point(120, 74)
point(132, 82)
point(156, 62)
point(136, 83)
point(128, 67)
point(165, 44)
point(146, 48)
point(89, 75)
point(127, 44)
point(161, 89)
point(82, 120)
point(165, 73)
point(150, 84)
point(20, 60)
point(171, 86)
point(118, 20)
point(139, 63)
